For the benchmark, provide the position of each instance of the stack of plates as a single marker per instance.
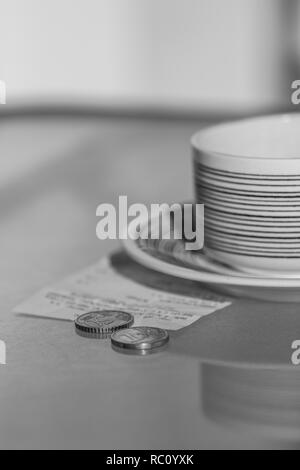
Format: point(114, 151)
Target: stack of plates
point(248, 217)
point(248, 176)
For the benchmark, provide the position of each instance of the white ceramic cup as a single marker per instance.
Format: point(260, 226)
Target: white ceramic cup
point(263, 148)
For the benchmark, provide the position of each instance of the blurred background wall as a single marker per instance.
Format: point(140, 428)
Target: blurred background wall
point(187, 54)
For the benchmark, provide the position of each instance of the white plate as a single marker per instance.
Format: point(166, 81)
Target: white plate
point(248, 188)
point(201, 269)
point(264, 180)
point(272, 232)
point(200, 187)
point(239, 248)
point(282, 215)
point(284, 207)
point(252, 221)
point(242, 199)
point(251, 204)
point(240, 176)
point(219, 180)
point(253, 240)
point(266, 210)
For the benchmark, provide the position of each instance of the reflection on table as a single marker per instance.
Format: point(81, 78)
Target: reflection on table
point(259, 400)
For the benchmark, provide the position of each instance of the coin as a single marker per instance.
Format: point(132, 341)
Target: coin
point(102, 323)
point(140, 339)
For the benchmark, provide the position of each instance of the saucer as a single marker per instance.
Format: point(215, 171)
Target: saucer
point(170, 257)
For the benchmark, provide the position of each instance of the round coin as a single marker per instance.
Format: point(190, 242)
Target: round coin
point(102, 323)
point(139, 339)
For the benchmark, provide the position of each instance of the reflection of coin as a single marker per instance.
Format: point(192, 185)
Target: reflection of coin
point(139, 339)
point(102, 323)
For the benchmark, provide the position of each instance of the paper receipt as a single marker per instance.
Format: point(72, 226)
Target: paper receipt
point(101, 286)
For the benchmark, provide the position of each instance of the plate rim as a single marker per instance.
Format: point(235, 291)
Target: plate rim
point(206, 277)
